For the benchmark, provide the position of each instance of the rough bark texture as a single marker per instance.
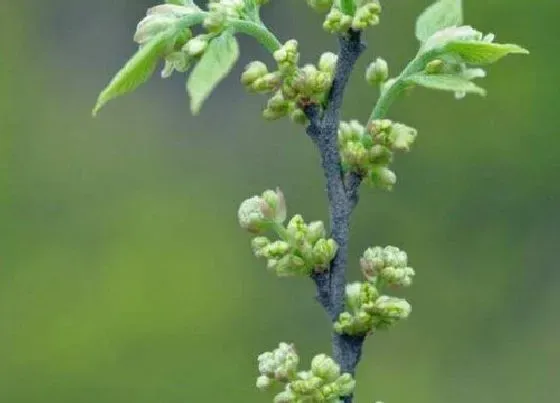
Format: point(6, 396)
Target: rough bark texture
point(343, 196)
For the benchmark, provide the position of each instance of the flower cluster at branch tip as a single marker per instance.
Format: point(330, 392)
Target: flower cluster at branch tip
point(370, 151)
point(188, 48)
point(293, 87)
point(366, 14)
point(301, 249)
point(367, 309)
point(324, 382)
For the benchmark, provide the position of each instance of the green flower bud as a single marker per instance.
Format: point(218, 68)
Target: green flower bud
point(337, 22)
point(253, 71)
point(298, 116)
point(391, 309)
point(434, 67)
point(215, 21)
point(377, 72)
point(178, 61)
point(327, 62)
point(353, 293)
point(323, 252)
point(267, 83)
point(196, 46)
point(279, 104)
point(380, 155)
point(286, 396)
point(345, 384)
point(251, 216)
point(277, 249)
point(287, 56)
point(306, 387)
point(259, 211)
point(366, 16)
point(258, 244)
point(296, 227)
point(401, 137)
point(393, 256)
point(263, 382)
point(383, 177)
point(325, 367)
point(372, 261)
point(315, 230)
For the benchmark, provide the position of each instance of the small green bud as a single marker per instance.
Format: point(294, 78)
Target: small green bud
point(325, 368)
point(263, 382)
point(285, 396)
point(323, 252)
point(383, 177)
point(315, 230)
point(287, 56)
point(401, 137)
point(434, 67)
point(215, 21)
point(258, 244)
point(251, 216)
point(276, 205)
point(196, 46)
point(366, 16)
point(253, 71)
point(377, 72)
point(278, 103)
point(346, 384)
point(392, 309)
point(267, 83)
point(327, 62)
point(353, 293)
point(298, 116)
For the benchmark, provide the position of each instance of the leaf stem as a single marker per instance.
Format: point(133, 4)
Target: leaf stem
point(389, 96)
point(257, 31)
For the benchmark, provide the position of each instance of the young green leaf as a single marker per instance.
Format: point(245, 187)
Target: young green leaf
point(137, 70)
point(214, 65)
point(445, 82)
point(440, 15)
point(479, 52)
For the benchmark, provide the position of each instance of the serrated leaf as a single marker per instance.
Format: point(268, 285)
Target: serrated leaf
point(442, 14)
point(214, 65)
point(479, 52)
point(446, 82)
point(137, 70)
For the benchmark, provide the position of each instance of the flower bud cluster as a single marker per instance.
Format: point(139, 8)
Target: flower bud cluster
point(377, 72)
point(370, 151)
point(303, 248)
point(366, 15)
point(387, 265)
point(368, 311)
point(322, 383)
point(292, 87)
point(160, 19)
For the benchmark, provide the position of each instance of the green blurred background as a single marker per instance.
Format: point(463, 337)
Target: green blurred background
point(124, 276)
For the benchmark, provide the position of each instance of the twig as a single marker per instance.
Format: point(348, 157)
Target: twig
point(342, 199)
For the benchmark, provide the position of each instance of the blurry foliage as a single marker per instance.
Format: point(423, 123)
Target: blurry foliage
point(124, 278)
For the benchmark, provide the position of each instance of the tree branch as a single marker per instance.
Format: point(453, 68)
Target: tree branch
point(342, 195)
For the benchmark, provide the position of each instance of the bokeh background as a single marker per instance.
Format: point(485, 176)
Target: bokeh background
point(124, 276)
